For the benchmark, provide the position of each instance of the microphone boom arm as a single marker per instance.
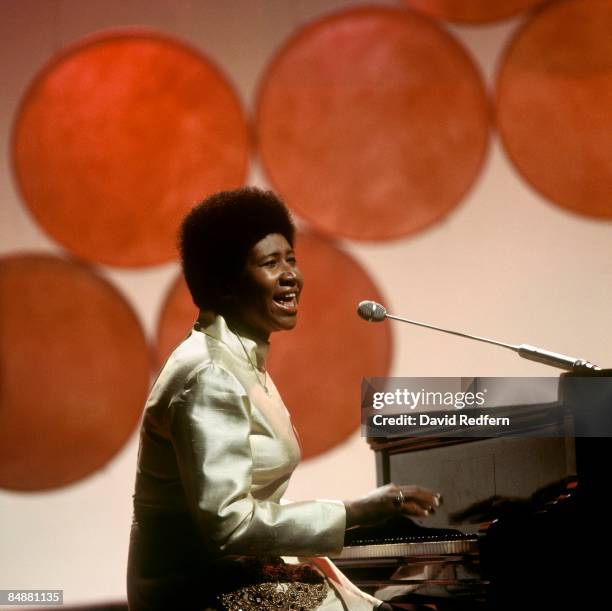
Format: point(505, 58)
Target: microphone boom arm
point(458, 333)
point(374, 312)
point(526, 351)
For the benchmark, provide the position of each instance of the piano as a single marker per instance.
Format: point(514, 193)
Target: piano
point(543, 487)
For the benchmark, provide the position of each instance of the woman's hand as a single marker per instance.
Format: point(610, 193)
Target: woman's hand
point(390, 500)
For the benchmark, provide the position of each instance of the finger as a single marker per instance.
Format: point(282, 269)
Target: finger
point(426, 498)
point(413, 508)
point(406, 505)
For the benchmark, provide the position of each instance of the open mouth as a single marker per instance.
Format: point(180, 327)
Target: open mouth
point(287, 301)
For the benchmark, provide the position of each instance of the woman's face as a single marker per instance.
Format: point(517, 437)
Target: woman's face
point(268, 294)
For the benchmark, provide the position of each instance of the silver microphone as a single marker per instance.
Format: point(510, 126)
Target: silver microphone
point(371, 311)
point(374, 312)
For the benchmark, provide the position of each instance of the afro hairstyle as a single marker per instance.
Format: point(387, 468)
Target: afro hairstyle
point(217, 234)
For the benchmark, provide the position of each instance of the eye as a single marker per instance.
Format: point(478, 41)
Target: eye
point(269, 263)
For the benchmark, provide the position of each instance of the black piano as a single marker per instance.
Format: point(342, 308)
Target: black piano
point(542, 541)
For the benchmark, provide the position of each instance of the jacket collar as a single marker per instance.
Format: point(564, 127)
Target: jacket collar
point(247, 349)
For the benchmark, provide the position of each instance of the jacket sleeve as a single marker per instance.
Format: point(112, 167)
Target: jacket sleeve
point(210, 427)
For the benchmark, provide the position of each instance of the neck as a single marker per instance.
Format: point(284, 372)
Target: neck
point(247, 331)
point(236, 324)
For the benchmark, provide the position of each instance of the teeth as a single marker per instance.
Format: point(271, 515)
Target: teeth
point(286, 298)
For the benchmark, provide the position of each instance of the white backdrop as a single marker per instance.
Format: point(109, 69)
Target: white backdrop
point(505, 264)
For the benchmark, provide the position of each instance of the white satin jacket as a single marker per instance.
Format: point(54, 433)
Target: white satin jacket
point(217, 449)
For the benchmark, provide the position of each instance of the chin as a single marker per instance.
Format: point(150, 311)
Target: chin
point(287, 325)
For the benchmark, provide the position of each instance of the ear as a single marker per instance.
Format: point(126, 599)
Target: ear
point(230, 289)
point(227, 296)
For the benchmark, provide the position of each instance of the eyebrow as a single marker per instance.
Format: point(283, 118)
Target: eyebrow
point(276, 253)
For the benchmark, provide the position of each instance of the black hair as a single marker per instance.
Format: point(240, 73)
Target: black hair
point(216, 235)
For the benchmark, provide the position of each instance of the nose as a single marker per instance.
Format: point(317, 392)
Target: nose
point(288, 277)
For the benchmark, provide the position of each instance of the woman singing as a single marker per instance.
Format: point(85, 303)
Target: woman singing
point(217, 447)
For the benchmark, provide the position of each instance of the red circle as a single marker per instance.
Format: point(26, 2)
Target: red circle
point(118, 137)
point(317, 367)
point(554, 101)
point(356, 127)
point(75, 372)
point(473, 11)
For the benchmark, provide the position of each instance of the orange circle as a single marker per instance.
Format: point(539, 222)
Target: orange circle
point(554, 101)
point(473, 11)
point(75, 372)
point(118, 137)
point(317, 367)
point(356, 126)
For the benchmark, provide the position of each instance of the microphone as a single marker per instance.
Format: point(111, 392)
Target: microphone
point(371, 311)
point(374, 312)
